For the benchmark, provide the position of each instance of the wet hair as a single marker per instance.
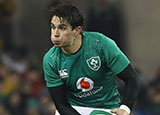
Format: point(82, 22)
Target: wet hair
point(69, 13)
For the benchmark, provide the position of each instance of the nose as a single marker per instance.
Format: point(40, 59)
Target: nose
point(56, 33)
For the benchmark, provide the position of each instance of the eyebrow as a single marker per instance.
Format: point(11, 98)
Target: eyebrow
point(52, 24)
point(60, 25)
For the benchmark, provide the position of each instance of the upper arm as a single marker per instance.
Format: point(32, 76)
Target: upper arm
point(50, 73)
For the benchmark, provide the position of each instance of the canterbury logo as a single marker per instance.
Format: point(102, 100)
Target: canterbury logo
point(63, 73)
point(85, 84)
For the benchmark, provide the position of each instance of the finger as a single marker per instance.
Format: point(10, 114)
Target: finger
point(114, 110)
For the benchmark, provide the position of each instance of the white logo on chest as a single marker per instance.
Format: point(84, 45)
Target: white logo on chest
point(94, 63)
point(63, 73)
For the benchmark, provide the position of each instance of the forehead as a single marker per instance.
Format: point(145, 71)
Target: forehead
point(59, 20)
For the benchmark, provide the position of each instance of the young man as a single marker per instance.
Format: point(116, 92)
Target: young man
point(81, 68)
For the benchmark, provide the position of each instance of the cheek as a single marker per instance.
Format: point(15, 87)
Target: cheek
point(67, 37)
point(51, 37)
point(70, 35)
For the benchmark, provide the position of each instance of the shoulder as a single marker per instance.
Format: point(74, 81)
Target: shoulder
point(50, 55)
point(98, 37)
point(89, 34)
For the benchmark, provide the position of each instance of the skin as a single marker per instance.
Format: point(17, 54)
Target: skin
point(64, 37)
point(69, 40)
point(119, 112)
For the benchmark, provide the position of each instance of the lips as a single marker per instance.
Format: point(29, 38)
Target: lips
point(56, 42)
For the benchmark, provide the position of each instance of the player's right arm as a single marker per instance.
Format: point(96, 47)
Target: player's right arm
point(55, 86)
point(59, 97)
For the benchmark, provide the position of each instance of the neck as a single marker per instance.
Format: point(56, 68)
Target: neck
point(73, 48)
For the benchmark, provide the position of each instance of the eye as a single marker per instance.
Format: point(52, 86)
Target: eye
point(62, 28)
point(53, 27)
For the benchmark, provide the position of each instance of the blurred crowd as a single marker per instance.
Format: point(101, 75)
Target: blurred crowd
point(22, 89)
point(148, 101)
point(22, 85)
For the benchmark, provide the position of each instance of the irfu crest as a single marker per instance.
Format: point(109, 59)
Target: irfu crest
point(94, 63)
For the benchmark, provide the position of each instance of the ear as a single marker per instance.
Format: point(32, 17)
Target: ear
point(78, 30)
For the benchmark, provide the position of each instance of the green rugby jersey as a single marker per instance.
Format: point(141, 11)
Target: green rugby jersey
point(89, 74)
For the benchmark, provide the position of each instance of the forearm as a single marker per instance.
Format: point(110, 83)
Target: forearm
point(131, 92)
point(58, 96)
point(131, 79)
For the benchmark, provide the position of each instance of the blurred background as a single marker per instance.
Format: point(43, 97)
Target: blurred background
point(25, 38)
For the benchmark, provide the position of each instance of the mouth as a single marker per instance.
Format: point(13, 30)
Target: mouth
point(56, 42)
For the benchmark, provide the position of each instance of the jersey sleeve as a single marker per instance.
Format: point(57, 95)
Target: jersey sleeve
point(51, 75)
point(115, 58)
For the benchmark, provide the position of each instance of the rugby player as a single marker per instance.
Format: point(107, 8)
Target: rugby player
point(81, 68)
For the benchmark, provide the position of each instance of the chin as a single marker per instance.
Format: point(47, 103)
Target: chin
point(57, 46)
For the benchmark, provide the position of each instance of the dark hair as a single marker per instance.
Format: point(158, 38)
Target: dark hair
point(69, 13)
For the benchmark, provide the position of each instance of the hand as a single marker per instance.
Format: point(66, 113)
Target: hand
point(119, 112)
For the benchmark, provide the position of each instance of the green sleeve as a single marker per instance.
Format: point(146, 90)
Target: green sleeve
point(115, 58)
point(51, 75)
